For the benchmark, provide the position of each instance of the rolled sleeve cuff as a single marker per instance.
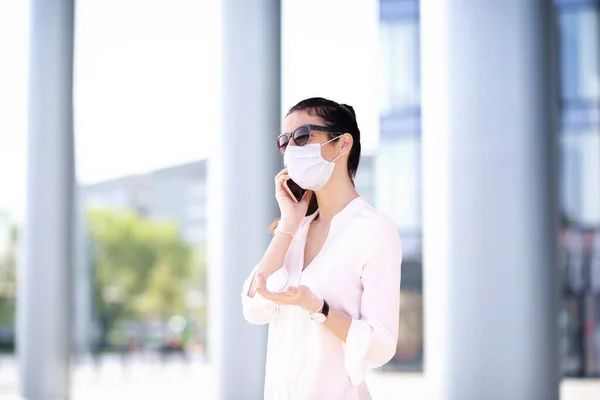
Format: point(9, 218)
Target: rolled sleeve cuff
point(356, 349)
point(258, 304)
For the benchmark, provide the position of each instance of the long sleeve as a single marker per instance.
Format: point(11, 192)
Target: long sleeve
point(372, 339)
point(258, 310)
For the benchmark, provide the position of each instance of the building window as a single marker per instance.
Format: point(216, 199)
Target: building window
point(400, 65)
point(580, 177)
point(197, 190)
point(196, 212)
point(580, 53)
point(364, 180)
point(398, 181)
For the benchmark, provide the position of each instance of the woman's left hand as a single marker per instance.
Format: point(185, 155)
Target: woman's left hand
point(300, 296)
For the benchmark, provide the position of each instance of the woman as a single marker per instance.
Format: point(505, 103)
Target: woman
point(329, 282)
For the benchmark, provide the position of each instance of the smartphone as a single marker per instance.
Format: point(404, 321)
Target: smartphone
point(295, 191)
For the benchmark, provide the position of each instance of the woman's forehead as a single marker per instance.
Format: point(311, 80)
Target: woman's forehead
point(297, 118)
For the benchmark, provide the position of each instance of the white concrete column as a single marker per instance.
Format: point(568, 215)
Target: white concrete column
point(43, 305)
point(241, 190)
point(490, 214)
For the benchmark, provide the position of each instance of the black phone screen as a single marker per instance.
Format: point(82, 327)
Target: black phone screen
point(296, 190)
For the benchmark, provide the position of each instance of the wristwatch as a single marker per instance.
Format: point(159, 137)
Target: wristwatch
point(321, 315)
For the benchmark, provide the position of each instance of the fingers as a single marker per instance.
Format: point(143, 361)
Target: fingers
point(261, 282)
point(288, 296)
point(265, 293)
point(282, 172)
point(276, 297)
point(261, 287)
point(281, 188)
point(279, 181)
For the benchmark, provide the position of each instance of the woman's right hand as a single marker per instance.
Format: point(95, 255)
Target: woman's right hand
point(292, 213)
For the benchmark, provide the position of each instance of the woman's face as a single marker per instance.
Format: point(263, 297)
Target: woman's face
point(329, 151)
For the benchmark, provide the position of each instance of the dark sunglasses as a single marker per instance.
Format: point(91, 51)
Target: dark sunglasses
point(301, 135)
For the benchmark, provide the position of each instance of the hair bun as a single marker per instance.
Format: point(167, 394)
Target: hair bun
point(349, 108)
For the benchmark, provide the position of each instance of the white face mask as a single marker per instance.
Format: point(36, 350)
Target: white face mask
point(307, 167)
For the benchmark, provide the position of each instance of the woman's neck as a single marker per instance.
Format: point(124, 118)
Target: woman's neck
point(334, 197)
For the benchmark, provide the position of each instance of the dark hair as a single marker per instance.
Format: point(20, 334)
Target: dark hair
point(342, 118)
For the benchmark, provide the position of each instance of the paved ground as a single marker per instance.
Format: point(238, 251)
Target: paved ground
point(148, 380)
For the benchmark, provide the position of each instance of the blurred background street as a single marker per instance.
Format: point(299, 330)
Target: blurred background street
point(148, 378)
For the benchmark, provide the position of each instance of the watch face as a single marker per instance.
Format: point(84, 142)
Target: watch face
point(320, 318)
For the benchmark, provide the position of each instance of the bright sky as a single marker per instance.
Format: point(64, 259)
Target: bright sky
point(13, 79)
point(147, 75)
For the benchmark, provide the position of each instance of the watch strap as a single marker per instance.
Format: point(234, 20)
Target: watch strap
point(321, 315)
point(325, 309)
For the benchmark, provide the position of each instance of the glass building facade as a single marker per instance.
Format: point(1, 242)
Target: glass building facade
point(398, 164)
point(398, 175)
point(579, 65)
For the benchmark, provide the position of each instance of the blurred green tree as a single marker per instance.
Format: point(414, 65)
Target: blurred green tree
point(8, 275)
point(197, 297)
point(141, 268)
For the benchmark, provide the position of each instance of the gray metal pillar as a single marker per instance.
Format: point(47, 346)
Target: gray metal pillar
point(490, 214)
point(241, 191)
point(43, 306)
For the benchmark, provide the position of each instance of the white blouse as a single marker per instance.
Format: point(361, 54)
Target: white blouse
point(357, 271)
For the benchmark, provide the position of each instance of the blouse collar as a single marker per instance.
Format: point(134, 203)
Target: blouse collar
point(346, 214)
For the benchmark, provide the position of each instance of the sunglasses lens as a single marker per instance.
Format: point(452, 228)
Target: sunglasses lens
point(282, 142)
point(301, 136)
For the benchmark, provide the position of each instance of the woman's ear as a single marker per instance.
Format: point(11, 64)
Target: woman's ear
point(346, 142)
